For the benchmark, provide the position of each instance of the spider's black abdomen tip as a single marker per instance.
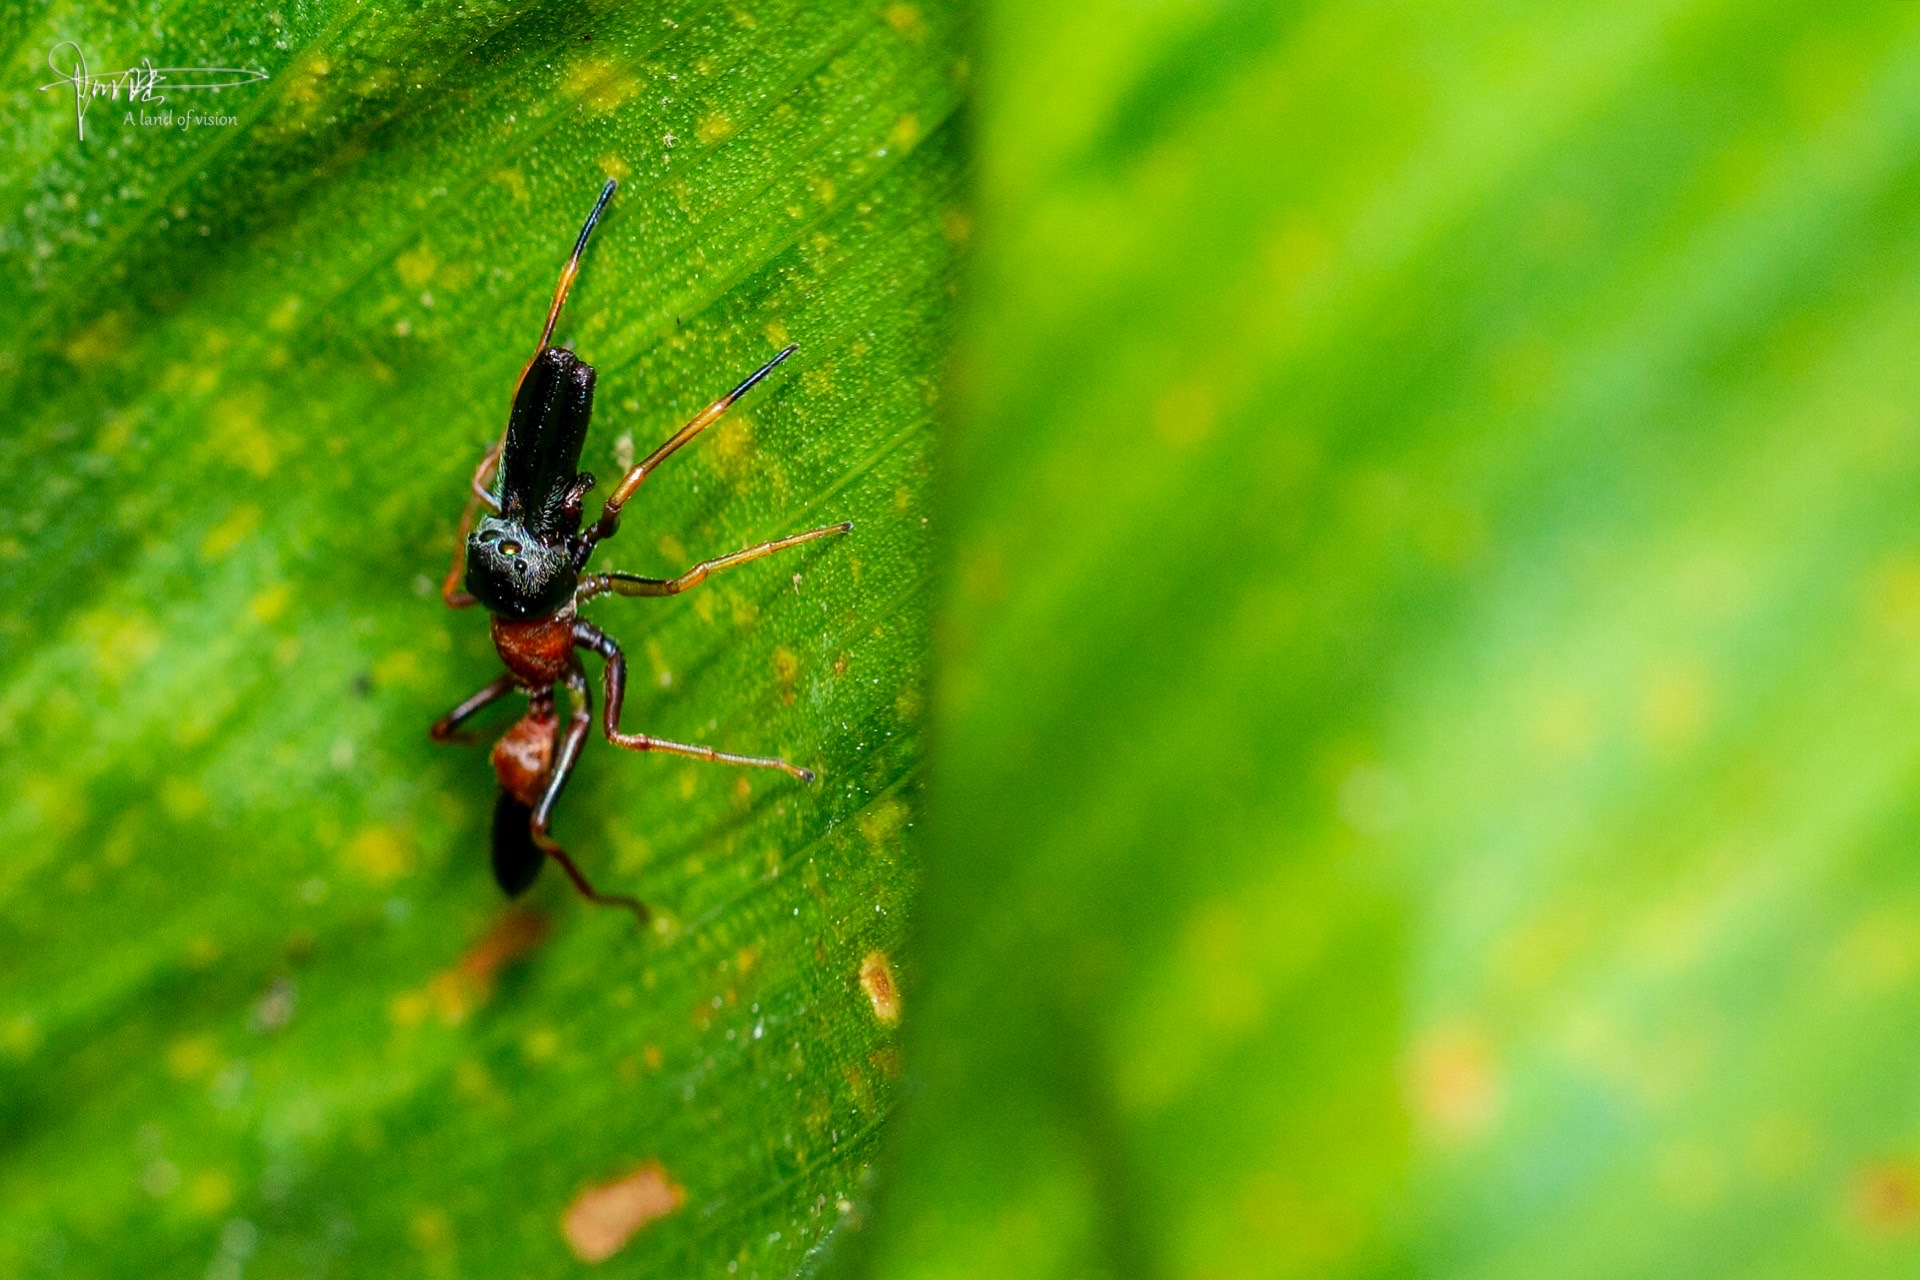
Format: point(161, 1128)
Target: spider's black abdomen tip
point(516, 858)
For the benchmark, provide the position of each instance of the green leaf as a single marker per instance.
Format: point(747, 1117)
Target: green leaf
point(261, 1006)
point(1427, 744)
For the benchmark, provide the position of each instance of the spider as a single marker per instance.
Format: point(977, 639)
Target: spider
point(525, 563)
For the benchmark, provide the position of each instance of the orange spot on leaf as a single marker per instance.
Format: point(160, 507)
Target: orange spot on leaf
point(876, 979)
point(457, 991)
point(603, 1218)
point(1886, 1197)
point(515, 934)
point(1455, 1083)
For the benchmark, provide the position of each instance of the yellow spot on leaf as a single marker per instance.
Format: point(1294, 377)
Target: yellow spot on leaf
point(1184, 416)
point(237, 434)
point(905, 19)
point(230, 532)
point(120, 641)
point(416, 266)
point(268, 605)
point(409, 1008)
point(905, 131)
point(303, 82)
point(431, 1231)
point(1893, 603)
point(192, 1058)
point(379, 854)
point(210, 1192)
point(513, 180)
point(115, 433)
point(540, 1045)
point(731, 451)
point(601, 84)
point(99, 343)
point(453, 996)
point(183, 798)
point(401, 667)
point(882, 821)
point(715, 127)
point(20, 1036)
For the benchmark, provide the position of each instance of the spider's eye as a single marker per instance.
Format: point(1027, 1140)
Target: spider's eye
point(509, 549)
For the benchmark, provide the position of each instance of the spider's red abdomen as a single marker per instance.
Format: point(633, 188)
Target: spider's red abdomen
point(524, 755)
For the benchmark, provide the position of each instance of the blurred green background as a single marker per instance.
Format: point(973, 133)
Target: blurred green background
point(1430, 650)
point(1416, 581)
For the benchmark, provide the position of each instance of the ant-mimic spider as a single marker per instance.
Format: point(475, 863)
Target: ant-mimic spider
point(525, 564)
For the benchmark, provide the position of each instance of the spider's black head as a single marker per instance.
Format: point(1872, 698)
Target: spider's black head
point(513, 571)
point(520, 562)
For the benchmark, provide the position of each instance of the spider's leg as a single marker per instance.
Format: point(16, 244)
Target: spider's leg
point(588, 636)
point(443, 729)
point(609, 519)
point(632, 584)
point(579, 721)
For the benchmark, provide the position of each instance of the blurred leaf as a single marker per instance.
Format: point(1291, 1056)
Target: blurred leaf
point(1428, 734)
point(261, 1008)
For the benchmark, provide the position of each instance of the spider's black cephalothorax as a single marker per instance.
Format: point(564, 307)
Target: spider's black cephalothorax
point(525, 560)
